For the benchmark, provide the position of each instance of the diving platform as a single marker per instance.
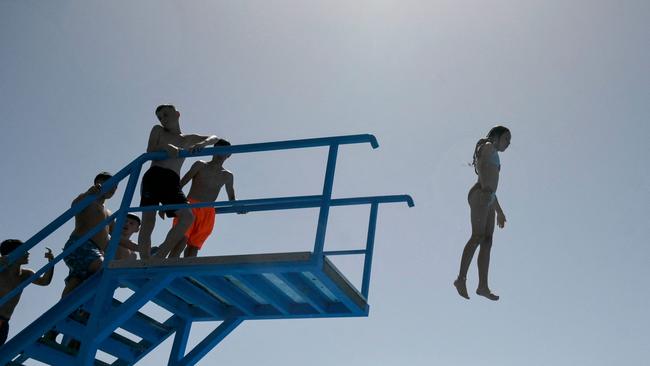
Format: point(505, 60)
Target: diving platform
point(257, 286)
point(224, 289)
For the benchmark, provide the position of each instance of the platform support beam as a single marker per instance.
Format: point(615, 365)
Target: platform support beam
point(210, 342)
point(325, 204)
point(370, 246)
point(180, 342)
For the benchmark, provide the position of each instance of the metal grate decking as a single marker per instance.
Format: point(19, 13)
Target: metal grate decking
point(259, 286)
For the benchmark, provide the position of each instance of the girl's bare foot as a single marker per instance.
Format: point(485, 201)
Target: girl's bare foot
point(461, 287)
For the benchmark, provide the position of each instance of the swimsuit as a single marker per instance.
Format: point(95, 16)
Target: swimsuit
point(202, 226)
point(476, 189)
point(79, 260)
point(161, 186)
point(494, 159)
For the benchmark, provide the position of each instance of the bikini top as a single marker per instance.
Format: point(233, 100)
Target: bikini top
point(494, 159)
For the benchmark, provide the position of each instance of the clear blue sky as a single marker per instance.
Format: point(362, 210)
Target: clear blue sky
point(79, 82)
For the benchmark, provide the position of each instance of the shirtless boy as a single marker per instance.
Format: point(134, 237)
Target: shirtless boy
point(88, 258)
point(12, 277)
point(161, 183)
point(207, 180)
point(127, 248)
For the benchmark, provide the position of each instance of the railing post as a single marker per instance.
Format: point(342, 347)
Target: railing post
point(325, 203)
point(121, 217)
point(370, 245)
point(103, 300)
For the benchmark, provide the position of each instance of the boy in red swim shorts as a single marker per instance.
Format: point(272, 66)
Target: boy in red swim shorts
point(207, 179)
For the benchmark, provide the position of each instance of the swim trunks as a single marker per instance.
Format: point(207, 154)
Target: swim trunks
point(4, 329)
point(202, 226)
point(79, 260)
point(161, 186)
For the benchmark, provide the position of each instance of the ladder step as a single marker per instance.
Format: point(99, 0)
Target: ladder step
point(144, 326)
point(170, 302)
point(196, 296)
point(53, 353)
point(114, 345)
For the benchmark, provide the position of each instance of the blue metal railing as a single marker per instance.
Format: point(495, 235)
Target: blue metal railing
point(132, 171)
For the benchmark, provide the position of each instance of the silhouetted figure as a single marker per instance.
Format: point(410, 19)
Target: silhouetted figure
point(484, 205)
point(12, 277)
point(127, 248)
point(207, 179)
point(161, 183)
point(88, 258)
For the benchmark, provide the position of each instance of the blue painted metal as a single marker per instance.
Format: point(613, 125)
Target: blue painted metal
point(370, 246)
point(311, 296)
point(121, 217)
point(273, 290)
point(180, 342)
point(325, 203)
point(210, 342)
point(230, 293)
point(268, 291)
point(344, 252)
point(57, 259)
point(125, 311)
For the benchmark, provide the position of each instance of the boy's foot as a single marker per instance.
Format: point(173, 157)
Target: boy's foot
point(485, 292)
point(461, 287)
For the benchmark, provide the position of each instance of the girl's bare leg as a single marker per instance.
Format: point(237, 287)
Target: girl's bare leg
point(484, 260)
point(479, 208)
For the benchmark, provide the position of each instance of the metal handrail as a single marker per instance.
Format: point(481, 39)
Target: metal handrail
point(132, 170)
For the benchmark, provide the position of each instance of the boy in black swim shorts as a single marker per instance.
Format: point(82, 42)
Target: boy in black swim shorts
point(161, 183)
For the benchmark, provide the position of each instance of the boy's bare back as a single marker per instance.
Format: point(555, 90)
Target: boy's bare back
point(207, 180)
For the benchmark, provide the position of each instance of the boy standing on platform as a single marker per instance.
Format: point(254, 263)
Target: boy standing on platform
point(207, 179)
point(161, 183)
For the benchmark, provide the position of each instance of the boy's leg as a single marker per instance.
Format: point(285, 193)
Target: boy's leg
point(176, 233)
point(190, 251)
point(178, 249)
point(144, 237)
point(74, 282)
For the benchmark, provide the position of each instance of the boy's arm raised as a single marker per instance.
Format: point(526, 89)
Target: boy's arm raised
point(47, 277)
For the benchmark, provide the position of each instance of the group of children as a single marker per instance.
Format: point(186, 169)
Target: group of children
point(161, 184)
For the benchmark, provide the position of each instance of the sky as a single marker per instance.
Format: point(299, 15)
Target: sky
point(79, 82)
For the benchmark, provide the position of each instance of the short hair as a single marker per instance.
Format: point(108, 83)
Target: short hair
point(222, 142)
point(102, 177)
point(9, 246)
point(133, 217)
point(163, 106)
